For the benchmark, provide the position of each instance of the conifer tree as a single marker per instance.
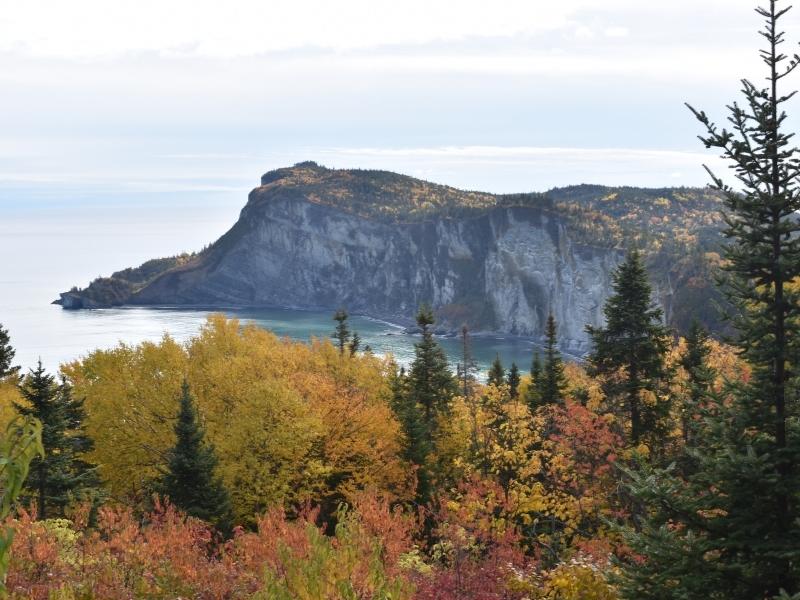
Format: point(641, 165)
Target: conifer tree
point(190, 481)
point(6, 355)
point(700, 376)
point(431, 384)
point(512, 380)
point(355, 343)
point(532, 396)
point(628, 352)
point(342, 331)
point(730, 528)
point(467, 368)
point(552, 382)
point(63, 474)
point(497, 374)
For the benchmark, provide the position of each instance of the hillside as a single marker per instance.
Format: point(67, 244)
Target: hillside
point(450, 236)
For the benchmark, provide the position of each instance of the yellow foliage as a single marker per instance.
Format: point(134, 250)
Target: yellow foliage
point(290, 422)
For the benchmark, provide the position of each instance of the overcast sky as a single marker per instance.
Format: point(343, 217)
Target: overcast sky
point(104, 97)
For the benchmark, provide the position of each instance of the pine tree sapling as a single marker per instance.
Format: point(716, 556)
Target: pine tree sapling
point(552, 381)
point(513, 379)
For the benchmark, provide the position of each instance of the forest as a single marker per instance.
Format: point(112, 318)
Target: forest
point(243, 465)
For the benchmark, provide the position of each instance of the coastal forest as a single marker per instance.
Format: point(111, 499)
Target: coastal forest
point(663, 465)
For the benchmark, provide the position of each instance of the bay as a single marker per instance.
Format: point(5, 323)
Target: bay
point(48, 244)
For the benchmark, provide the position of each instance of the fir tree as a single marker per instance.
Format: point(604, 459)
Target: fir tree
point(497, 374)
point(63, 475)
point(512, 379)
point(190, 481)
point(6, 355)
point(430, 382)
point(532, 396)
point(417, 444)
point(552, 383)
point(730, 528)
point(342, 331)
point(629, 352)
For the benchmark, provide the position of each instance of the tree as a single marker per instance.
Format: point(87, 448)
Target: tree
point(552, 382)
point(6, 355)
point(512, 379)
point(342, 331)
point(700, 376)
point(532, 395)
point(431, 384)
point(190, 481)
point(629, 351)
point(417, 444)
point(468, 368)
point(62, 474)
point(355, 343)
point(730, 528)
point(497, 374)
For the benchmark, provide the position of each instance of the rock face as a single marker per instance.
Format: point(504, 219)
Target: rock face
point(504, 270)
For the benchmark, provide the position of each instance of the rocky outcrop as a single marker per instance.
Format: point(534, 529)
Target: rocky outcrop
point(503, 271)
point(382, 244)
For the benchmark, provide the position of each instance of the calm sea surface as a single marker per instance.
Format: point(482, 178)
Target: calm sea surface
point(48, 245)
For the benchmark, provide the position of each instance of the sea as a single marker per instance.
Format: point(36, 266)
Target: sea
point(49, 243)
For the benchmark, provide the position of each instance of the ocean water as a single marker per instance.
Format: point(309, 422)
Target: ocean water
point(47, 245)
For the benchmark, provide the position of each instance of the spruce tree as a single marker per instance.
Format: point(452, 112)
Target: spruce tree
point(190, 481)
point(512, 380)
point(552, 381)
point(497, 374)
point(628, 352)
point(355, 343)
point(6, 355)
point(430, 382)
point(342, 331)
point(63, 475)
point(730, 529)
point(532, 397)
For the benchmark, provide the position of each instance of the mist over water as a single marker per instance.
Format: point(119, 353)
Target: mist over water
point(50, 244)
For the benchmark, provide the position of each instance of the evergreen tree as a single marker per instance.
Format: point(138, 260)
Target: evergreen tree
point(355, 343)
point(431, 384)
point(6, 354)
point(342, 331)
point(417, 443)
point(63, 474)
point(552, 382)
point(497, 374)
point(190, 481)
point(629, 352)
point(468, 368)
point(730, 528)
point(532, 396)
point(512, 379)
point(700, 376)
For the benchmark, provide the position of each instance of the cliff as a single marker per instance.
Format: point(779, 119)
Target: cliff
point(381, 244)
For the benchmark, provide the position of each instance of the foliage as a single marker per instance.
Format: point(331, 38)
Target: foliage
point(21, 444)
point(290, 422)
point(62, 474)
point(7, 353)
point(190, 481)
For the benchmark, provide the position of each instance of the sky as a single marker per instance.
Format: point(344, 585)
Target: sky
point(190, 101)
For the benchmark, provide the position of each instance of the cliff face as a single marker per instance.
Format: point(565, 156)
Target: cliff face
point(503, 271)
point(381, 244)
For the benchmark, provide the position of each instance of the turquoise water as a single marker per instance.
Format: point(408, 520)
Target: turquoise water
point(49, 245)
